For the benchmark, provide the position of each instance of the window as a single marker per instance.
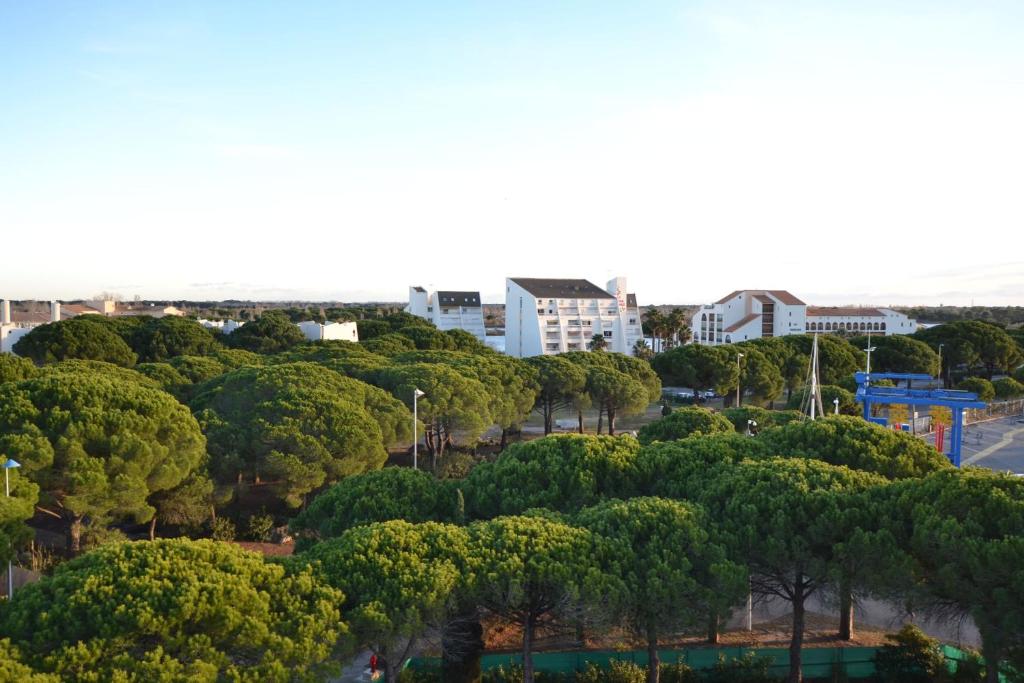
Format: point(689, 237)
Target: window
point(540, 311)
point(552, 322)
point(444, 311)
point(574, 323)
point(587, 323)
point(552, 347)
point(632, 321)
point(430, 309)
point(607, 334)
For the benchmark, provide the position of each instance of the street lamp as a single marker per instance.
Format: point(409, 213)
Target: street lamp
point(835, 401)
point(9, 465)
point(941, 380)
point(738, 356)
point(416, 393)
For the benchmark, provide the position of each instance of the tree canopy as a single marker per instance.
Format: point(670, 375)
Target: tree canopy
point(15, 368)
point(698, 366)
point(176, 610)
point(163, 338)
point(272, 332)
point(560, 384)
point(684, 422)
point(78, 337)
point(297, 425)
point(97, 447)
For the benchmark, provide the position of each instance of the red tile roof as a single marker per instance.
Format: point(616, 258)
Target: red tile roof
point(780, 294)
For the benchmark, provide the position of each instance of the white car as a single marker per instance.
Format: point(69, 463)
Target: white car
point(567, 424)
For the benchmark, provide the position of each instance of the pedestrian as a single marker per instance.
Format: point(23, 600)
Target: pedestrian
point(373, 664)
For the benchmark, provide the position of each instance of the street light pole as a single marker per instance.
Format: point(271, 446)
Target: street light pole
point(836, 402)
point(9, 465)
point(942, 380)
point(738, 382)
point(416, 393)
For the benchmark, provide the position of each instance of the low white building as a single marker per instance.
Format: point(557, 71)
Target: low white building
point(314, 331)
point(855, 320)
point(225, 326)
point(15, 326)
point(758, 313)
point(545, 316)
point(449, 310)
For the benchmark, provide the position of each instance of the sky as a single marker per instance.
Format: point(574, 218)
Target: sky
point(852, 153)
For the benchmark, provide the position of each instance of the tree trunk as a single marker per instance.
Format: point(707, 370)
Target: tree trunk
point(580, 416)
point(528, 650)
point(75, 534)
point(390, 672)
point(845, 610)
point(797, 641)
point(653, 665)
point(713, 633)
point(600, 419)
point(547, 417)
point(611, 422)
point(152, 528)
point(504, 440)
point(993, 655)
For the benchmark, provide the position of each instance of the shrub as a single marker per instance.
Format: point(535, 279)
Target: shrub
point(222, 529)
point(982, 387)
point(912, 657)
point(683, 423)
point(95, 536)
point(1008, 388)
point(617, 672)
point(747, 669)
point(260, 527)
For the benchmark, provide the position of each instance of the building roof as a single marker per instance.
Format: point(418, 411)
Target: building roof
point(780, 294)
point(825, 311)
point(561, 289)
point(742, 321)
point(458, 298)
point(420, 290)
point(764, 298)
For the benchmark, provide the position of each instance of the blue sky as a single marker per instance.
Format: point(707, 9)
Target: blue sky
point(850, 152)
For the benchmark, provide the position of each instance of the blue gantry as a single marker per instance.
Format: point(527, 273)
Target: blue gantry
point(955, 400)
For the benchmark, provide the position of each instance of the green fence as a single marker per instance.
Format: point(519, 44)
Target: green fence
point(822, 662)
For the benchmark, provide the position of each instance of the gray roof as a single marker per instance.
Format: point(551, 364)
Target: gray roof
point(561, 289)
point(420, 290)
point(458, 298)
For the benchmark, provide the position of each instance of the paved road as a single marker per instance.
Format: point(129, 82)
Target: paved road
point(998, 445)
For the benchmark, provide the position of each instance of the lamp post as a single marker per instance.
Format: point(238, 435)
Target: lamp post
point(836, 402)
point(738, 383)
point(416, 393)
point(942, 379)
point(869, 349)
point(9, 465)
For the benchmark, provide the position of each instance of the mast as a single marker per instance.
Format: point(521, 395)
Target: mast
point(811, 404)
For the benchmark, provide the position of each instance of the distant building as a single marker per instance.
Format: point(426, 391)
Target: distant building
point(14, 326)
point(225, 326)
point(554, 315)
point(449, 310)
point(314, 331)
point(756, 314)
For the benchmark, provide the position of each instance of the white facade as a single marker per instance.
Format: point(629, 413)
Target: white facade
point(449, 310)
point(11, 331)
point(314, 331)
point(755, 313)
point(225, 326)
point(883, 321)
point(544, 316)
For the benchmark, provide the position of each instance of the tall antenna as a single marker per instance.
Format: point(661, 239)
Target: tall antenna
point(810, 404)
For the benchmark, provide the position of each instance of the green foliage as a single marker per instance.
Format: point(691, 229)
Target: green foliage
point(15, 368)
point(829, 393)
point(910, 657)
point(390, 344)
point(678, 673)
point(857, 444)
point(260, 527)
point(677, 469)
point(272, 332)
point(298, 424)
point(186, 610)
point(615, 393)
point(980, 386)
point(674, 575)
point(198, 369)
point(975, 344)
point(15, 510)
point(564, 472)
point(746, 669)
point(98, 447)
point(560, 383)
point(427, 337)
point(370, 329)
point(398, 579)
point(164, 374)
point(187, 505)
point(900, 353)
point(12, 668)
point(161, 339)
point(698, 366)
point(759, 375)
point(387, 494)
point(98, 535)
point(837, 358)
point(618, 671)
point(74, 338)
point(683, 423)
point(223, 529)
point(467, 341)
point(1007, 387)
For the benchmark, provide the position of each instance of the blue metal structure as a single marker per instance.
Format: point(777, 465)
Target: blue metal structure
point(955, 400)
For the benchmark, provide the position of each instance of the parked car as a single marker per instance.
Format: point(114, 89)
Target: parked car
point(567, 424)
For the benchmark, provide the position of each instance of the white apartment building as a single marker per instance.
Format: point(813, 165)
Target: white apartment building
point(314, 331)
point(554, 315)
point(226, 326)
point(756, 313)
point(449, 310)
point(14, 327)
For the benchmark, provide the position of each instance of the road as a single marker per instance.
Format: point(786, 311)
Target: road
point(997, 445)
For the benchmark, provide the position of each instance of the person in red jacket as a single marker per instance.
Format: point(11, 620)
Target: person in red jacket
point(373, 664)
